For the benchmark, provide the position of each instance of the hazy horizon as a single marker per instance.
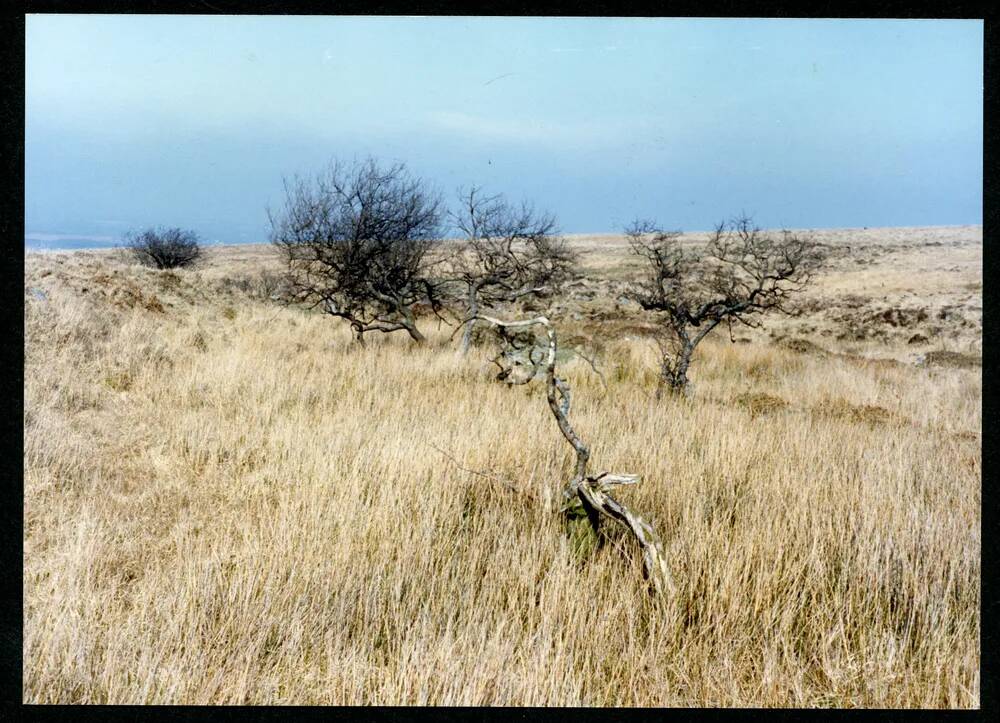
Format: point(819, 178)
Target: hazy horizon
point(193, 121)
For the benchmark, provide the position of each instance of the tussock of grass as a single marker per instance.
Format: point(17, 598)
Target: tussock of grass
point(952, 359)
point(802, 346)
point(760, 402)
point(260, 517)
point(864, 413)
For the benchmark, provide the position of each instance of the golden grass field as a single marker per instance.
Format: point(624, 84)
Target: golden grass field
point(226, 502)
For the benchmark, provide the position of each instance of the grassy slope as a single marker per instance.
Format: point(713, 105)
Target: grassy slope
point(227, 503)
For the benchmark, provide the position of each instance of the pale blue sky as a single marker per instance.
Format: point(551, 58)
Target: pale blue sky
point(193, 121)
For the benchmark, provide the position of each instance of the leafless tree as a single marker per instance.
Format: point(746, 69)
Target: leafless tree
point(164, 248)
point(356, 241)
point(509, 253)
point(741, 273)
point(589, 493)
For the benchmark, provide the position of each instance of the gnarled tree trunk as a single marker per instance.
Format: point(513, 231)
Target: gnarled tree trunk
point(673, 372)
point(415, 333)
point(359, 334)
point(409, 322)
point(593, 491)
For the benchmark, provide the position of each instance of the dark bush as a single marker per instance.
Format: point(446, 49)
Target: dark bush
point(168, 248)
point(357, 243)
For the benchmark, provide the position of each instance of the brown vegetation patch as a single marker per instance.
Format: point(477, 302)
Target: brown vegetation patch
point(898, 317)
point(952, 359)
point(968, 436)
point(854, 332)
point(874, 363)
point(802, 346)
point(125, 293)
point(131, 296)
point(760, 402)
point(842, 409)
point(119, 381)
point(198, 341)
point(168, 280)
point(860, 323)
point(760, 369)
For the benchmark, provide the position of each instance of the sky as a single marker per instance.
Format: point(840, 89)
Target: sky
point(193, 121)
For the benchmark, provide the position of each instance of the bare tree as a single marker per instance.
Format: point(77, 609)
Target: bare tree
point(508, 253)
point(164, 248)
point(589, 492)
point(741, 273)
point(356, 241)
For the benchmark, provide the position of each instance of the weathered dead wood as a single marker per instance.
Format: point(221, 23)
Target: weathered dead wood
point(592, 491)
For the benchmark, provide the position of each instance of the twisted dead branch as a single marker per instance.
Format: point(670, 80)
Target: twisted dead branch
point(591, 492)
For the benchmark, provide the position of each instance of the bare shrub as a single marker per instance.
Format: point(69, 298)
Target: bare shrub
point(741, 273)
point(509, 253)
point(356, 242)
point(164, 248)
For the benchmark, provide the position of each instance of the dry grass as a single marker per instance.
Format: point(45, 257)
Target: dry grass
point(225, 502)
